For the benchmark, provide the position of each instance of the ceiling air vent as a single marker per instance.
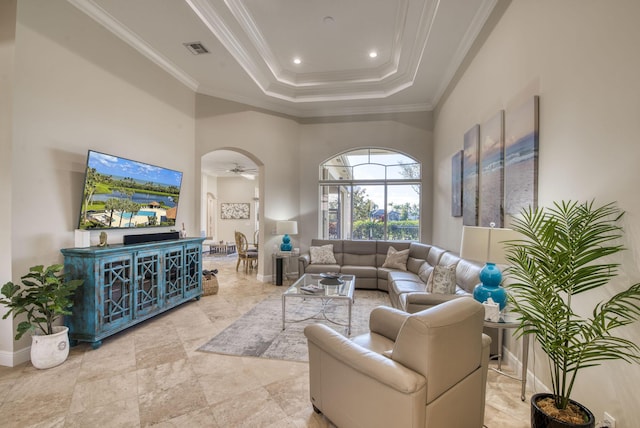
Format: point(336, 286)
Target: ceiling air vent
point(196, 48)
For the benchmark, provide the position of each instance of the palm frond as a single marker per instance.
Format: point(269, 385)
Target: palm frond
point(561, 255)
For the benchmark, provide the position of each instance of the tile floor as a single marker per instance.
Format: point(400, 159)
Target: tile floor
point(152, 375)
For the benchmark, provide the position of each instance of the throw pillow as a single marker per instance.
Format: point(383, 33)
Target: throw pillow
point(442, 280)
point(396, 259)
point(322, 255)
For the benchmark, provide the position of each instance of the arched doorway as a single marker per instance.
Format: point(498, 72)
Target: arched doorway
point(230, 178)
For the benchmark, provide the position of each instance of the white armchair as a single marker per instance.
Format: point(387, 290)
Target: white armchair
point(427, 369)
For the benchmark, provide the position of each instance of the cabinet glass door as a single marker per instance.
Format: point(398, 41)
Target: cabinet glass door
point(147, 295)
point(115, 292)
point(173, 275)
point(193, 271)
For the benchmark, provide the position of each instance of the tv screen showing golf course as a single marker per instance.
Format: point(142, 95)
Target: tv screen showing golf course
point(122, 193)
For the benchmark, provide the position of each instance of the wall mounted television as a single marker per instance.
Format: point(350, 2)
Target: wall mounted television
point(122, 193)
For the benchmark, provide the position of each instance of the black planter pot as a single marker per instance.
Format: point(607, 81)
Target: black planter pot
point(539, 419)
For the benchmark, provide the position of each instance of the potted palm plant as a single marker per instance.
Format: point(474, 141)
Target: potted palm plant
point(45, 296)
point(564, 252)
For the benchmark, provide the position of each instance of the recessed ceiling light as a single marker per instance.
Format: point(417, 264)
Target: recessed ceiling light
point(297, 61)
point(373, 54)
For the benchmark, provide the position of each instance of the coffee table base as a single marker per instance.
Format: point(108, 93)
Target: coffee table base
point(321, 314)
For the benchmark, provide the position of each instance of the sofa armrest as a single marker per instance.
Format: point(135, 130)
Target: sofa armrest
point(418, 301)
point(364, 361)
point(303, 262)
point(386, 321)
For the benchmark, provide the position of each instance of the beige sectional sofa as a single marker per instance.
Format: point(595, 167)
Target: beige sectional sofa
point(407, 289)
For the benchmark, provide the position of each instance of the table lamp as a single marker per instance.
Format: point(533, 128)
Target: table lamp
point(286, 228)
point(485, 244)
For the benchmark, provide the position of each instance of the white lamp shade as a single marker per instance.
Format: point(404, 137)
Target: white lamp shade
point(485, 244)
point(287, 227)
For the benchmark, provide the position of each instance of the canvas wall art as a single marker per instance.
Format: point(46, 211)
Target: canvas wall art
point(456, 184)
point(470, 177)
point(234, 211)
point(491, 178)
point(521, 157)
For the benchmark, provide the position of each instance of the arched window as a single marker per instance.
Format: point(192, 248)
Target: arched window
point(370, 194)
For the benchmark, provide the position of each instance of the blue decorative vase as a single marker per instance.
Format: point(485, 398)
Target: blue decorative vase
point(490, 278)
point(286, 243)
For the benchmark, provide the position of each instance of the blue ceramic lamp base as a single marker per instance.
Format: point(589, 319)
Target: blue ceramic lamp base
point(490, 278)
point(286, 243)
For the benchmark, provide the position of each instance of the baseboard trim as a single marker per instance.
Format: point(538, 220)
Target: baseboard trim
point(533, 383)
point(12, 359)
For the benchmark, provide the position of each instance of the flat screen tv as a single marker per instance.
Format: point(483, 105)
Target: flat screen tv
point(122, 193)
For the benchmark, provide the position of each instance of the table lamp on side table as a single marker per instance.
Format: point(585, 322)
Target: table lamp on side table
point(485, 244)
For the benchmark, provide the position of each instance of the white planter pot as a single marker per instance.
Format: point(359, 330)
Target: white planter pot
point(50, 350)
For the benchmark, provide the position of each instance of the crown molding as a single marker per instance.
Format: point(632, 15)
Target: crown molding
point(116, 27)
point(275, 81)
point(478, 22)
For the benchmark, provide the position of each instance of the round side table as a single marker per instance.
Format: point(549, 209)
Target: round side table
point(508, 321)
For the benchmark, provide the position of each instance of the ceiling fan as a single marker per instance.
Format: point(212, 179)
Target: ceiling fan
point(245, 172)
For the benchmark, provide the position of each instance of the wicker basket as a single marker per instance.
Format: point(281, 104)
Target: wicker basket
point(209, 285)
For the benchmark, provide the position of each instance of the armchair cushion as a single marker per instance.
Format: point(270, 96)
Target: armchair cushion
point(364, 360)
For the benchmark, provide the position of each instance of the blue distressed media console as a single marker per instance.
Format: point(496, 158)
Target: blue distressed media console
point(127, 284)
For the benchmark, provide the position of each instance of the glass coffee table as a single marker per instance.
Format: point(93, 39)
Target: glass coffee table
point(328, 288)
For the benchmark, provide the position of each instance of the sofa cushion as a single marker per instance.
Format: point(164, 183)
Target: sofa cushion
point(396, 259)
point(435, 253)
point(359, 247)
point(413, 264)
point(442, 280)
point(322, 268)
point(407, 286)
point(398, 288)
point(468, 275)
point(424, 273)
point(398, 275)
point(322, 255)
point(360, 271)
point(418, 250)
point(359, 260)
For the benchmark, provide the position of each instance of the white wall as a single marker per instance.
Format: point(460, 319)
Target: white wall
point(289, 154)
point(319, 142)
point(236, 190)
point(78, 87)
point(7, 44)
point(209, 184)
point(271, 142)
point(582, 58)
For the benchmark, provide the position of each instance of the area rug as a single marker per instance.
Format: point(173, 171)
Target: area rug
point(258, 333)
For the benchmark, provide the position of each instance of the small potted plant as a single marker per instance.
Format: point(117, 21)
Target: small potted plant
point(44, 297)
point(564, 252)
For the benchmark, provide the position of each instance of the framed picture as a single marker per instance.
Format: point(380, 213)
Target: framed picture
point(234, 211)
point(521, 157)
point(456, 184)
point(470, 177)
point(491, 171)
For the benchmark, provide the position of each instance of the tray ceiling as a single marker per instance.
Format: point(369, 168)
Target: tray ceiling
point(252, 45)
